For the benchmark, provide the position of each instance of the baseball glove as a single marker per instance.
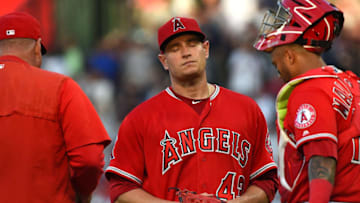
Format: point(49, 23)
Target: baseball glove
point(186, 196)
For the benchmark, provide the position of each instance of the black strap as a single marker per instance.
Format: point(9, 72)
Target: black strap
point(315, 43)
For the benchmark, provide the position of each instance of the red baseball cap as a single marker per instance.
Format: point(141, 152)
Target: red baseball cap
point(176, 26)
point(20, 25)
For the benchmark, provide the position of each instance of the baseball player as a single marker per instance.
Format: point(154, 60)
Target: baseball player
point(52, 140)
point(318, 107)
point(193, 135)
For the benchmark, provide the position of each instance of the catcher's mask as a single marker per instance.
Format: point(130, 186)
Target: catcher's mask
point(311, 23)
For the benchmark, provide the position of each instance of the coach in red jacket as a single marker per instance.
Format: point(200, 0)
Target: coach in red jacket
point(52, 140)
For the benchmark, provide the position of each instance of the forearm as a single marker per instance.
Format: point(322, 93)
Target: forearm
point(268, 182)
point(139, 196)
point(322, 167)
point(321, 178)
point(253, 194)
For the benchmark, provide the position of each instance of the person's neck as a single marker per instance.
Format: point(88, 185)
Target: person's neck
point(26, 57)
point(200, 90)
point(313, 61)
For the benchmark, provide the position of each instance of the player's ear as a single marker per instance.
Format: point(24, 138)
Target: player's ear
point(163, 60)
point(290, 56)
point(38, 47)
point(206, 46)
point(37, 57)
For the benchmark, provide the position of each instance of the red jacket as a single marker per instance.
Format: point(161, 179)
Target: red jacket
point(47, 124)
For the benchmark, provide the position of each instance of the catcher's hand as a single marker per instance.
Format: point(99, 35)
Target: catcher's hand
point(186, 196)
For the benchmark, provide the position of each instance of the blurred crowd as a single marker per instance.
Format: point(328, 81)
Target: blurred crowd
point(122, 69)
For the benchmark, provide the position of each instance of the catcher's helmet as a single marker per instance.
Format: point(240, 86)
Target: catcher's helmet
point(311, 23)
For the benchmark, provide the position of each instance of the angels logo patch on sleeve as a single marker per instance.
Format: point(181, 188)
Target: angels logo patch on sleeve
point(305, 116)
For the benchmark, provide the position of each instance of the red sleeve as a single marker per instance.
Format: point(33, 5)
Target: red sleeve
point(120, 185)
point(80, 123)
point(84, 135)
point(263, 149)
point(268, 182)
point(86, 164)
point(326, 148)
point(128, 157)
point(312, 115)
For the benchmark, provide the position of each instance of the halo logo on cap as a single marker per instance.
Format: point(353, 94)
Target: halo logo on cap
point(10, 32)
point(174, 27)
point(178, 24)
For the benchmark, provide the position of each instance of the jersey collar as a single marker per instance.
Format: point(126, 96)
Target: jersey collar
point(212, 97)
point(12, 59)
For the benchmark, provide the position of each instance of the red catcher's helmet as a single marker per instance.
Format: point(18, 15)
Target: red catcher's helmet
point(311, 23)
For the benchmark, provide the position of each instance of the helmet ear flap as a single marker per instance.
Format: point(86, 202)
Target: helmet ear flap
point(318, 37)
point(338, 24)
point(337, 29)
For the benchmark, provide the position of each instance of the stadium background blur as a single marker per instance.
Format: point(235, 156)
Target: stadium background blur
point(110, 48)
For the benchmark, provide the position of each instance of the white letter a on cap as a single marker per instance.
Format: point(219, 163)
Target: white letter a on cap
point(177, 24)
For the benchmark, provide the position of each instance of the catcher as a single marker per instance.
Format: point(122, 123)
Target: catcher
point(318, 107)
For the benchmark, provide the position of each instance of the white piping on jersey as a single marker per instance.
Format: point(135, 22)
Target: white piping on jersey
point(262, 169)
point(113, 150)
point(283, 141)
point(168, 90)
point(298, 175)
point(216, 92)
point(315, 136)
point(212, 97)
point(124, 173)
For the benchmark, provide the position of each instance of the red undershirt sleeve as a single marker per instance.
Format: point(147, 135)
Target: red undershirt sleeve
point(324, 147)
point(268, 182)
point(120, 185)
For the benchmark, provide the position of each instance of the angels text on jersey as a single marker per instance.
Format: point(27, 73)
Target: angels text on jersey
point(207, 141)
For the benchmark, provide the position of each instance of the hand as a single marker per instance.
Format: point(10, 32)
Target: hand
point(253, 194)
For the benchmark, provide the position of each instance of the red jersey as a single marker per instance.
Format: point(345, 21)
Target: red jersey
point(47, 124)
point(318, 114)
point(165, 143)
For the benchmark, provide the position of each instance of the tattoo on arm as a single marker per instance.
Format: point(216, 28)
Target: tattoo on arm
point(322, 167)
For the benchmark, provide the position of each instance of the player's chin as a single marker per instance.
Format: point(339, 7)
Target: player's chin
point(190, 75)
point(190, 67)
point(190, 70)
